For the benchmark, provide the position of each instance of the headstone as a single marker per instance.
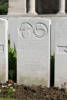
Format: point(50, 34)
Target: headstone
point(33, 49)
point(3, 51)
point(60, 51)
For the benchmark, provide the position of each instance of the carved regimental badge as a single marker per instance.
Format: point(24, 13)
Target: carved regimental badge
point(39, 30)
point(26, 29)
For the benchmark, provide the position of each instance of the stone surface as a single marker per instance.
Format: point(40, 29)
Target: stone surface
point(60, 51)
point(32, 39)
point(32, 6)
point(62, 6)
point(17, 7)
point(3, 50)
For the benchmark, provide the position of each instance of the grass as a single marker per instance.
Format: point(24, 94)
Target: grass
point(13, 99)
point(10, 99)
point(6, 99)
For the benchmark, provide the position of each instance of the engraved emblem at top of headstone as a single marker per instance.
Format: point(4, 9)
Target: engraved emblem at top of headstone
point(40, 30)
point(25, 29)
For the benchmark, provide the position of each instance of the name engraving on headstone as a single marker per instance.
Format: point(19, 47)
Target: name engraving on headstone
point(62, 49)
point(1, 48)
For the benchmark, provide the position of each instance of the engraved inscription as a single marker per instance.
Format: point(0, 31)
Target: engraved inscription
point(62, 49)
point(26, 29)
point(1, 48)
point(40, 30)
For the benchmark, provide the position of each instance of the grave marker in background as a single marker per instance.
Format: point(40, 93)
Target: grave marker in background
point(3, 50)
point(60, 51)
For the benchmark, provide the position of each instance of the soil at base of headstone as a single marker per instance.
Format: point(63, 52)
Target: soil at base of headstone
point(23, 92)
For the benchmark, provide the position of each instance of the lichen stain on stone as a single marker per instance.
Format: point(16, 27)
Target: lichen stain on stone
point(29, 81)
point(3, 77)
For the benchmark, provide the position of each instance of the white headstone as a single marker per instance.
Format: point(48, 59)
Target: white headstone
point(3, 51)
point(32, 39)
point(60, 51)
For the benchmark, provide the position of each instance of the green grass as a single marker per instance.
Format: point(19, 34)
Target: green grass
point(6, 99)
point(11, 99)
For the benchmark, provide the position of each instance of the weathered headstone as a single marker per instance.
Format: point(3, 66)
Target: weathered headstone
point(32, 39)
point(60, 51)
point(3, 50)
